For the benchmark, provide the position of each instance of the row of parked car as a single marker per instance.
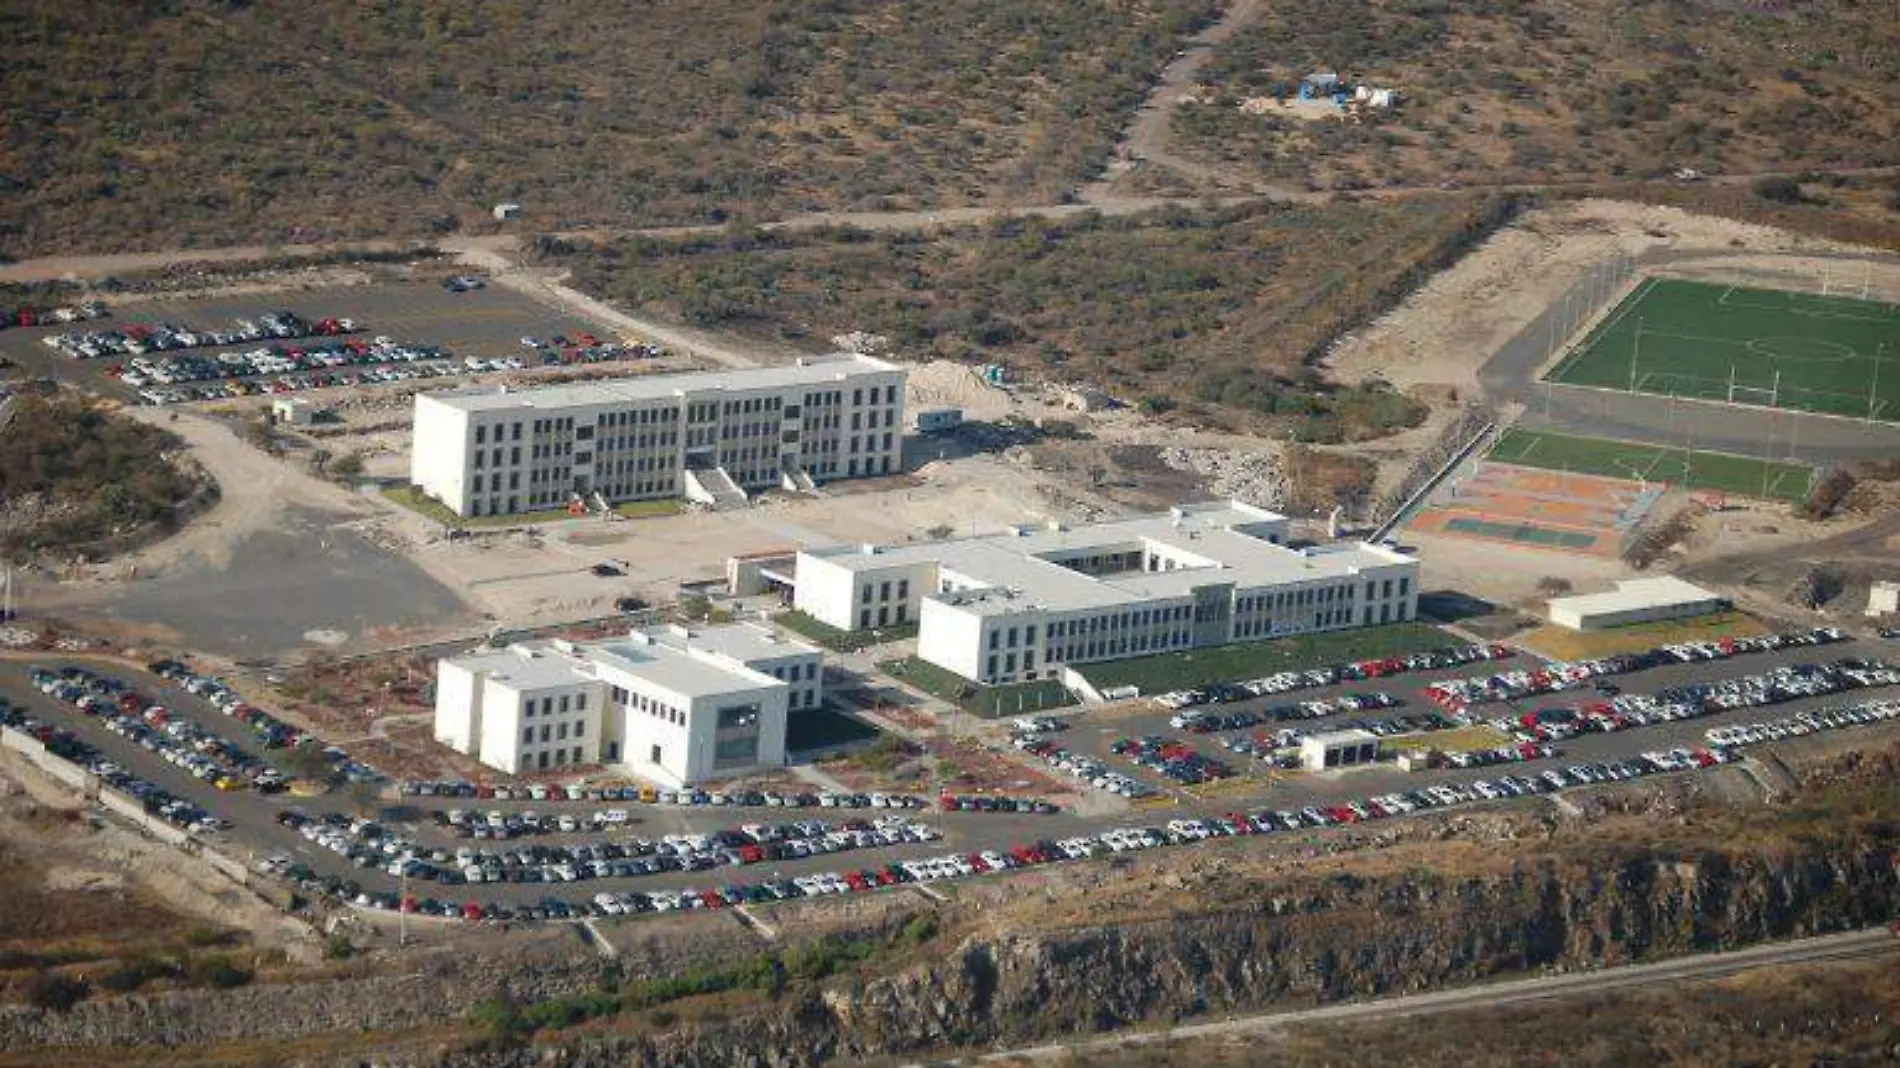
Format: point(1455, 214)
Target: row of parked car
point(1458, 694)
point(271, 732)
point(1803, 723)
point(652, 795)
point(1627, 711)
point(153, 799)
point(1170, 758)
point(1357, 671)
point(136, 339)
point(1081, 847)
point(92, 309)
point(1081, 767)
point(1202, 721)
point(368, 844)
point(158, 730)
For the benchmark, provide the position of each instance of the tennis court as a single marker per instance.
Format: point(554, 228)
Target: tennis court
point(1808, 352)
point(1655, 465)
point(1530, 507)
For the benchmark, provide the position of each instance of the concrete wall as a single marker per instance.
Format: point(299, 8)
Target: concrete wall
point(58, 767)
point(131, 810)
point(439, 452)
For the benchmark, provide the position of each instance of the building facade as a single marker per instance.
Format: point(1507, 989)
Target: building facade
point(1025, 604)
point(707, 436)
point(1644, 600)
point(671, 705)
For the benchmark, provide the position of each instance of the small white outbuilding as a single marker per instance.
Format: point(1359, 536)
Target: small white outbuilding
point(1635, 601)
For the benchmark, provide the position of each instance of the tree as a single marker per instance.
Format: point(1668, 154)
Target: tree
point(1554, 586)
point(347, 466)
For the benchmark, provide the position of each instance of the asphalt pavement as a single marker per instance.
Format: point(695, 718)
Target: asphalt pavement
point(256, 834)
point(488, 323)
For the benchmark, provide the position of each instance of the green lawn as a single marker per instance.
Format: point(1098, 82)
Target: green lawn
point(821, 728)
point(990, 702)
point(416, 501)
point(841, 641)
point(1741, 475)
point(1252, 660)
point(1764, 347)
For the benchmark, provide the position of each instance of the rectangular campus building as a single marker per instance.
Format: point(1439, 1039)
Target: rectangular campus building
point(672, 705)
point(1024, 604)
point(711, 437)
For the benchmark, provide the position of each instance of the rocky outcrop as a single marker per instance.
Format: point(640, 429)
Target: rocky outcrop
point(1316, 941)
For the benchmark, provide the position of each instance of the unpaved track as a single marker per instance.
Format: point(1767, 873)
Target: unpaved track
point(1150, 134)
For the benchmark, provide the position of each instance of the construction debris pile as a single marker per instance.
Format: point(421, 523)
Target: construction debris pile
point(1253, 477)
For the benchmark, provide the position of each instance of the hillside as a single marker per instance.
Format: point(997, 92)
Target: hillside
point(194, 122)
point(1219, 312)
point(74, 476)
point(1551, 90)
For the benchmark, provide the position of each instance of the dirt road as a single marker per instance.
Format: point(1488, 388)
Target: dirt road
point(1149, 136)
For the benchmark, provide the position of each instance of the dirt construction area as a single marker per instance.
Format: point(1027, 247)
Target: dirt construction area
point(1537, 509)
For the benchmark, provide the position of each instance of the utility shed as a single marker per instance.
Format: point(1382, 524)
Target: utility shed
point(1634, 601)
point(1339, 749)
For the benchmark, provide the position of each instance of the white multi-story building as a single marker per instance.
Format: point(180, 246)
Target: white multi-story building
point(673, 705)
point(707, 436)
point(1024, 604)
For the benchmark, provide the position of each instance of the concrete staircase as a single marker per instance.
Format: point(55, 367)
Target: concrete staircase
point(711, 486)
point(797, 481)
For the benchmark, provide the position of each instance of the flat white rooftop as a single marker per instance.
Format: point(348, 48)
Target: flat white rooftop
point(1633, 594)
point(808, 371)
point(1352, 736)
point(689, 667)
point(1221, 542)
point(740, 641)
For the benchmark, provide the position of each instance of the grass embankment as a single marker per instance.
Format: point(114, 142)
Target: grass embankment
point(1252, 660)
point(428, 507)
point(1562, 643)
point(989, 702)
point(841, 641)
point(1459, 740)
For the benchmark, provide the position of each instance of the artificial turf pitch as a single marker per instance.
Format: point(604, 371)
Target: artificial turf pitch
point(1743, 476)
point(1763, 347)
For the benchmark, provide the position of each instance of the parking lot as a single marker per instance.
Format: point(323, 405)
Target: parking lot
point(626, 851)
point(487, 324)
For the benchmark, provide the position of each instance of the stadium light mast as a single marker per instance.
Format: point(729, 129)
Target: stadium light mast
point(1873, 386)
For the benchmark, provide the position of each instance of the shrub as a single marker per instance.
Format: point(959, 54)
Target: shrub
point(54, 992)
point(136, 972)
point(338, 947)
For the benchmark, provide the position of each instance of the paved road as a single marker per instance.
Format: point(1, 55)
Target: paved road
point(1853, 945)
point(1510, 377)
point(256, 832)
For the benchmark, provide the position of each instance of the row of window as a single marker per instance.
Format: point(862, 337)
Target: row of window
point(883, 591)
point(557, 732)
point(562, 758)
point(886, 616)
point(547, 705)
point(640, 702)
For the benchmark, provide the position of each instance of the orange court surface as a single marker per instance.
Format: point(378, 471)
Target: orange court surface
point(1536, 508)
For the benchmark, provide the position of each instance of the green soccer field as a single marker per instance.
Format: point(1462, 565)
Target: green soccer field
point(1769, 348)
point(1743, 476)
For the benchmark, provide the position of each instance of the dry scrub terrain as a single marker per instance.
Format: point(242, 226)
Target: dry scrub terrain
point(1210, 311)
point(192, 122)
point(1559, 89)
